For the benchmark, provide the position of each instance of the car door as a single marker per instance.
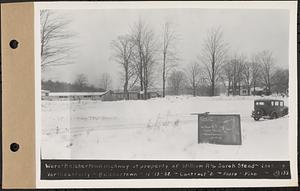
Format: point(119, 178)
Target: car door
point(277, 108)
point(280, 108)
point(270, 107)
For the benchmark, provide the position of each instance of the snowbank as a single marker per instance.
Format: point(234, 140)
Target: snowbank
point(160, 128)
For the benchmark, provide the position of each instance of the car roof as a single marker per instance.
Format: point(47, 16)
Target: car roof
point(268, 100)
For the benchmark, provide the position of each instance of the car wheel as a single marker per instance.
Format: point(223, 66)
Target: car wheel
point(258, 114)
point(273, 115)
point(256, 118)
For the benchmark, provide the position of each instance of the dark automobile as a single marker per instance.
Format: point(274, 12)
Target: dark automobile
point(269, 109)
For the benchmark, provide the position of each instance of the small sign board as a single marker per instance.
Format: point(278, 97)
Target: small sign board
point(219, 129)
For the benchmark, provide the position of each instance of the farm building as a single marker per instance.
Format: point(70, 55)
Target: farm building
point(238, 91)
point(244, 92)
point(241, 91)
point(257, 91)
point(45, 93)
point(133, 95)
point(54, 96)
point(103, 96)
point(153, 94)
point(121, 96)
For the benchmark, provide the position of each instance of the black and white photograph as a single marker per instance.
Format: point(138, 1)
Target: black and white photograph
point(178, 83)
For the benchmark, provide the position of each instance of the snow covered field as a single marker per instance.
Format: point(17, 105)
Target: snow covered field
point(160, 128)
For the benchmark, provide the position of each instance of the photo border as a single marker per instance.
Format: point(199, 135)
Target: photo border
point(178, 183)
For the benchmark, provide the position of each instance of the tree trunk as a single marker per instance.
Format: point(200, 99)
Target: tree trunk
point(126, 91)
point(141, 79)
point(164, 86)
point(234, 81)
point(194, 85)
point(145, 81)
point(249, 89)
point(164, 76)
point(213, 75)
point(213, 78)
point(126, 96)
point(212, 88)
point(228, 88)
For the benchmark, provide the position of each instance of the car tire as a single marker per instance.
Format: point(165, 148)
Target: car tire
point(256, 118)
point(274, 115)
point(285, 112)
point(258, 114)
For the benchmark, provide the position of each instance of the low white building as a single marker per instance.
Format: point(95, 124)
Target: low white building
point(257, 91)
point(45, 93)
point(244, 92)
point(61, 96)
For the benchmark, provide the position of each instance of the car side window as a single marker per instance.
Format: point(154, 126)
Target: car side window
point(281, 104)
point(276, 103)
point(260, 103)
point(272, 103)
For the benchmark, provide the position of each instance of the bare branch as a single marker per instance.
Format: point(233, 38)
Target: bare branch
point(169, 53)
point(213, 56)
point(55, 47)
point(193, 75)
point(123, 54)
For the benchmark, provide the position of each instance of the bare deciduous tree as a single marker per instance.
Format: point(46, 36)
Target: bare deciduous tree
point(176, 81)
point(247, 76)
point(280, 80)
point(255, 72)
point(233, 74)
point(145, 51)
point(81, 81)
point(169, 53)
point(123, 48)
point(55, 47)
point(238, 67)
point(265, 59)
point(105, 81)
point(193, 75)
point(228, 76)
point(213, 56)
point(137, 34)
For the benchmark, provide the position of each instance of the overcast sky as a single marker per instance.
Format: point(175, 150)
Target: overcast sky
point(246, 31)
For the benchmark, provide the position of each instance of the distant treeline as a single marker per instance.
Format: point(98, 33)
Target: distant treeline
point(56, 86)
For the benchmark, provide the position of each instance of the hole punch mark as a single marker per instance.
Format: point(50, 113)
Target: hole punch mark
point(13, 44)
point(14, 147)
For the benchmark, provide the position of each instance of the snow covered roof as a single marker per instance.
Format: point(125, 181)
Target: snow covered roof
point(77, 93)
point(257, 89)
